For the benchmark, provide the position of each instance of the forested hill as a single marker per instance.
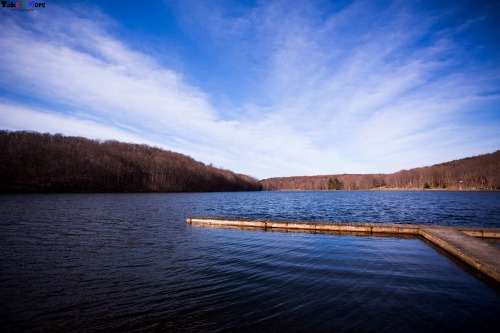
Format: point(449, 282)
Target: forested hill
point(479, 172)
point(34, 162)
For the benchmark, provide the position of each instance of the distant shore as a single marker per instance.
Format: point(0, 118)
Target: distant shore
point(478, 173)
point(435, 189)
point(392, 189)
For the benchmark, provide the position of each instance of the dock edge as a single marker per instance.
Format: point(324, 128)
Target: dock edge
point(460, 241)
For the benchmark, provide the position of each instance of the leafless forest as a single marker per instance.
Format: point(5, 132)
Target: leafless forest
point(34, 162)
point(473, 173)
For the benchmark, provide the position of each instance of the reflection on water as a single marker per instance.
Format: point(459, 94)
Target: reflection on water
point(129, 262)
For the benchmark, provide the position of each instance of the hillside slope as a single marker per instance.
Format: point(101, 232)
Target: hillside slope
point(479, 172)
point(34, 162)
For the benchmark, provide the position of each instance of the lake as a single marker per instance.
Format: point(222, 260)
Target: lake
point(129, 262)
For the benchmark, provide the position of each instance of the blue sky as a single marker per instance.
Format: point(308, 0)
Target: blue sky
point(266, 88)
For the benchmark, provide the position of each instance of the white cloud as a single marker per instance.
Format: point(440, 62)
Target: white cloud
point(21, 118)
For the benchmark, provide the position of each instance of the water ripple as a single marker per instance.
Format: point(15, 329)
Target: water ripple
point(129, 262)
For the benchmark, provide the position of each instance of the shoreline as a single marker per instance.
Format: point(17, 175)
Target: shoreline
point(392, 189)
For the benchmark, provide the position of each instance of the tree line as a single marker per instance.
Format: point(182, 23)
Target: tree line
point(473, 173)
point(35, 162)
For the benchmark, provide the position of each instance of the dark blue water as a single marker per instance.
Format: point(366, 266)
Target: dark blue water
point(420, 207)
point(129, 262)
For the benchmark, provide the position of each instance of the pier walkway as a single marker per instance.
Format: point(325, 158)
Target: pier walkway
point(464, 243)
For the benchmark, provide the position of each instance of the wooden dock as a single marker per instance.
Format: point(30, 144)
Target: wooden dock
point(464, 243)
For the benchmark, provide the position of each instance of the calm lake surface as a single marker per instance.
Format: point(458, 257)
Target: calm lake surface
point(129, 262)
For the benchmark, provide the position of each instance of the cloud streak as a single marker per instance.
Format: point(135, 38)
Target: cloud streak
point(318, 93)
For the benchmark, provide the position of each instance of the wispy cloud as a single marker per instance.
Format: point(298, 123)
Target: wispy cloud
point(18, 117)
point(341, 91)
